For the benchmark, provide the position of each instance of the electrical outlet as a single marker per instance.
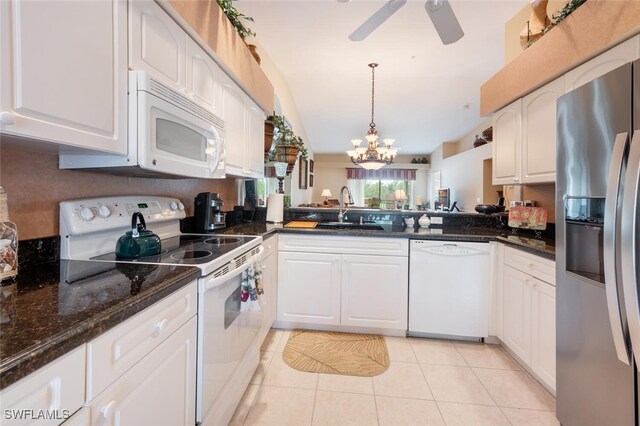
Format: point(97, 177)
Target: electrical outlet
point(436, 220)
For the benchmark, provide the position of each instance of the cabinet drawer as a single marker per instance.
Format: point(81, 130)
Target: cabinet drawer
point(344, 245)
point(116, 351)
point(57, 388)
point(270, 245)
point(537, 267)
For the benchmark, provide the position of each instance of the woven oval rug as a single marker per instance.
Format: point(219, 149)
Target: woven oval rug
point(329, 352)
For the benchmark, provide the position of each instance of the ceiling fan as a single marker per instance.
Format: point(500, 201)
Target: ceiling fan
point(440, 12)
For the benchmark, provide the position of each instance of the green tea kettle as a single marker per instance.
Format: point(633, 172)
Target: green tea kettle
point(139, 242)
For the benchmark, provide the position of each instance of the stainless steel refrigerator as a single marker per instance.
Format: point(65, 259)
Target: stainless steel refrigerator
point(597, 313)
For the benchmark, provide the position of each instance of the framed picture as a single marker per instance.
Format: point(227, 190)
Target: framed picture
point(311, 167)
point(310, 178)
point(302, 181)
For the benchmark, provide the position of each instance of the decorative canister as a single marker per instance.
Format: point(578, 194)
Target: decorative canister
point(424, 221)
point(8, 241)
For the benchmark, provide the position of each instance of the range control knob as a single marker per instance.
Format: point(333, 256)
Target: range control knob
point(180, 206)
point(173, 205)
point(86, 214)
point(104, 212)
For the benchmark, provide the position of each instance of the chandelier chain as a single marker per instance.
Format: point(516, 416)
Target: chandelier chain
point(373, 91)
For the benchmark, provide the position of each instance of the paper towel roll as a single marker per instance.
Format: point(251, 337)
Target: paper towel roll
point(275, 208)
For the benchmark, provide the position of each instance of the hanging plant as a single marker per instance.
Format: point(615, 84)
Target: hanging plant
point(284, 137)
point(566, 11)
point(236, 18)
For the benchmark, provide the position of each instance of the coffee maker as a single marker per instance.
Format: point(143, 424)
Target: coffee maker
point(208, 216)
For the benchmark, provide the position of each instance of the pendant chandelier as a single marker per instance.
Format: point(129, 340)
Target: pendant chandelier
point(375, 155)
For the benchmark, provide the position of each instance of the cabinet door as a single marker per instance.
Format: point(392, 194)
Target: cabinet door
point(309, 288)
point(600, 65)
point(543, 332)
point(254, 149)
point(507, 133)
point(270, 284)
point(375, 291)
point(63, 72)
point(157, 44)
point(58, 386)
point(517, 313)
point(539, 133)
point(203, 77)
point(159, 390)
point(233, 112)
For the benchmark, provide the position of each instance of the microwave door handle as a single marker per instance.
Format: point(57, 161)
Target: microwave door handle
point(609, 248)
point(214, 149)
point(628, 231)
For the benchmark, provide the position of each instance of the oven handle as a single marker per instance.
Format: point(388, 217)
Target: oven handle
point(226, 277)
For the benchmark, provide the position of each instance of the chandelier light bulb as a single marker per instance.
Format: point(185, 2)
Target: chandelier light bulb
point(352, 153)
point(388, 142)
point(356, 142)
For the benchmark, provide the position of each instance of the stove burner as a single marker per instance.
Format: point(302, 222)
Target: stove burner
point(190, 255)
point(220, 241)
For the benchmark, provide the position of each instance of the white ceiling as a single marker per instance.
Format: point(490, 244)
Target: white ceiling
point(421, 85)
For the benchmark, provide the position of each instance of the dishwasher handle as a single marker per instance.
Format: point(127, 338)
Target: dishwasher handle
point(448, 249)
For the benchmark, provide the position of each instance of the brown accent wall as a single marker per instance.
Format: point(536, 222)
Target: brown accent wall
point(544, 196)
point(590, 30)
point(35, 186)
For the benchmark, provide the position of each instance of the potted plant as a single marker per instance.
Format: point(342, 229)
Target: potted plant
point(287, 145)
point(236, 18)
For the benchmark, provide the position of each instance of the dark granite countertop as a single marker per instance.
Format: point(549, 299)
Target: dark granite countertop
point(523, 240)
point(57, 306)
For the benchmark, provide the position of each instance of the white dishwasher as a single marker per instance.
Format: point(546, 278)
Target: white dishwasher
point(449, 289)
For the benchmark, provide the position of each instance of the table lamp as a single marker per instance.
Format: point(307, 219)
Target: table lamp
point(326, 193)
point(400, 196)
point(281, 172)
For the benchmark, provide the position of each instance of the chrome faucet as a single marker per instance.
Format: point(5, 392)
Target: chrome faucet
point(346, 209)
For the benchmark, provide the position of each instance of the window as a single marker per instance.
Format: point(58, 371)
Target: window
point(380, 193)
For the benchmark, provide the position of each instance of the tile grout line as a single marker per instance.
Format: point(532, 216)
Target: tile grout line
point(428, 385)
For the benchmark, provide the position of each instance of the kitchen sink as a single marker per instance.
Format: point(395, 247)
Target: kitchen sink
point(367, 225)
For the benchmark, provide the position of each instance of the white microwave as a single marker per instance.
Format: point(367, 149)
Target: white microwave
point(169, 135)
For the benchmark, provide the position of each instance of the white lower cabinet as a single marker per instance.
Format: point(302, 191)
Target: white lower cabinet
point(543, 332)
point(321, 281)
point(158, 390)
point(529, 313)
point(57, 388)
point(374, 291)
point(309, 288)
point(270, 280)
point(517, 313)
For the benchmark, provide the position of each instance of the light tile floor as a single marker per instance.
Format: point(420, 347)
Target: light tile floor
point(429, 382)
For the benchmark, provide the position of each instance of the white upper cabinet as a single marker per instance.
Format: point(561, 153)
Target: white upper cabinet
point(244, 132)
point(524, 138)
point(63, 72)
point(611, 59)
point(507, 134)
point(157, 44)
point(203, 78)
point(539, 133)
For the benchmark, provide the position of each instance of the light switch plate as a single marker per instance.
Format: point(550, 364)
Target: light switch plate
point(436, 220)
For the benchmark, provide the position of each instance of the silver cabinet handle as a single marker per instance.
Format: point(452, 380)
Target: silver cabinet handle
point(7, 118)
point(628, 232)
point(609, 247)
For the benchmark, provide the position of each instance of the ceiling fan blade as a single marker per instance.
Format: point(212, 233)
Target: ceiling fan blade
point(444, 20)
point(376, 19)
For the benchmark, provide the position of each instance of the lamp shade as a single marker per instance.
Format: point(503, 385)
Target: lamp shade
point(400, 194)
point(326, 193)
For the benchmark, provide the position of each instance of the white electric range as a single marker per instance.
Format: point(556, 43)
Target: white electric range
point(228, 351)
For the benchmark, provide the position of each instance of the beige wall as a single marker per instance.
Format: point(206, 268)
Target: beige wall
point(516, 24)
point(290, 111)
point(35, 186)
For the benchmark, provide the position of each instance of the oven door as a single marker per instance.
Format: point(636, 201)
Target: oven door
point(176, 141)
point(225, 334)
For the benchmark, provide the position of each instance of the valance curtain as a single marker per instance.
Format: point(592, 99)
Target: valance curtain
point(382, 174)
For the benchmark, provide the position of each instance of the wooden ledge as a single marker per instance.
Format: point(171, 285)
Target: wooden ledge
point(592, 29)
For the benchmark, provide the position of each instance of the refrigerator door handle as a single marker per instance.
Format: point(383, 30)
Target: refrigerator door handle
point(628, 229)
point(609, 247)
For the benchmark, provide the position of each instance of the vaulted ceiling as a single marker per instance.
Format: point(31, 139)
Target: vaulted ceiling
point(426, 93)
